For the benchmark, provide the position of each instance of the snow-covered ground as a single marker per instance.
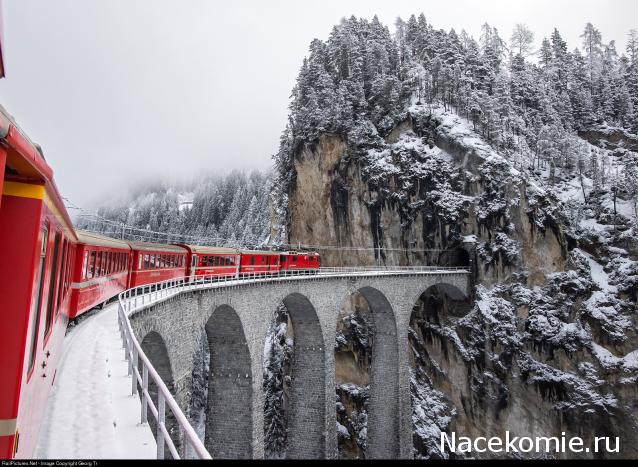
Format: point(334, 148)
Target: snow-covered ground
point(91, 413)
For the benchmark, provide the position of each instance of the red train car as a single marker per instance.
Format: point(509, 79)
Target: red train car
point(299, 261)
point(211, 261)
point(37, 247)
point(260, 262)
point(154, 262)
point(100, 271)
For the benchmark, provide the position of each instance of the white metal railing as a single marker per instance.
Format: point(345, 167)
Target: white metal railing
point(140, 297)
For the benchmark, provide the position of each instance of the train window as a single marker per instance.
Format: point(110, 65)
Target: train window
point(98, 265)
point(52, 281)
point(282, 259)
point(252, 260)
point(92, 265)
point(152, 262)
point(85, 263)
point(164, 261)
point(147, 262)
point(140, 262)
point(61, 276)
point(35, 305)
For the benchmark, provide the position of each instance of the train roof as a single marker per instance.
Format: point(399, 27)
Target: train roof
point(25, 163)
point(210, 250)
point(261, 252)
point(144, 246)
point(307, 253)
point(91, 238)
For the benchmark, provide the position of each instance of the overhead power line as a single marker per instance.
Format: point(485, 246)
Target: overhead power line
point(116, 229)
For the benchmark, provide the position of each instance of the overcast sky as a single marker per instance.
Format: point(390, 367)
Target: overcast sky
point(120, 91)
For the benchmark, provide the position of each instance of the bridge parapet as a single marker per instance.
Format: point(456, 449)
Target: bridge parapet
point(182, 312)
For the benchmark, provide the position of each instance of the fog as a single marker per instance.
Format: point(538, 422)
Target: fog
point(120, 92)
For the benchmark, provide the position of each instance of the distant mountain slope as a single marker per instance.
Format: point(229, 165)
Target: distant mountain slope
point(231, 210)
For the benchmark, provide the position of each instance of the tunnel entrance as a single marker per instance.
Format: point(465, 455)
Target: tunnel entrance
point(456, 257)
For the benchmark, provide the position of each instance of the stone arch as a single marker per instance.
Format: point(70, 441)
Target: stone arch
point(154, 347)
point(306, 432)
point(432, 383)
point(442, 300)
point(383, 418)
point(229, 417)
point(383, 403)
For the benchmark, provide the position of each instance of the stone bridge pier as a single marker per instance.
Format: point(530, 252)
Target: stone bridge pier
point(235, 320)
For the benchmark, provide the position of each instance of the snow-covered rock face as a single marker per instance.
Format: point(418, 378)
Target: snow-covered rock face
point(528, 357)
point(417, 176)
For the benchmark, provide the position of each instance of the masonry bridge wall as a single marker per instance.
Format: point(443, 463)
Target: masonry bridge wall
point(235, 320)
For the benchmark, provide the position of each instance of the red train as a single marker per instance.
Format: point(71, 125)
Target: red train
point(50, 273)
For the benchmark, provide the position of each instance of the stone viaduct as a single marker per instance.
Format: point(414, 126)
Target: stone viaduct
point(235, 320)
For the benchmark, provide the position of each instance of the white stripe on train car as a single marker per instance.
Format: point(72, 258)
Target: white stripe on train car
point(99, 280)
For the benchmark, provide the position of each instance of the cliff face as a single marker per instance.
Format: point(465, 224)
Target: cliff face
point(548, 343)
point(391, 221)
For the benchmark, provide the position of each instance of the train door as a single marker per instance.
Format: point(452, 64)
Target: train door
point(193, 267)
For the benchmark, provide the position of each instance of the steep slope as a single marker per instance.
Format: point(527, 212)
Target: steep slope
point(426, 149)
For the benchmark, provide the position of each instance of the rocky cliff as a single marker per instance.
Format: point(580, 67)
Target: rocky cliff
point(548, 343)
point(428, 147)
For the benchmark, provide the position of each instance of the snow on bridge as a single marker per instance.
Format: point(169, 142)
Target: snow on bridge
point(91, 412)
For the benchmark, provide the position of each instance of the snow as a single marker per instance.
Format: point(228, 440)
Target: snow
point(608, 360)
point(598, 274)
point(91, 413)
